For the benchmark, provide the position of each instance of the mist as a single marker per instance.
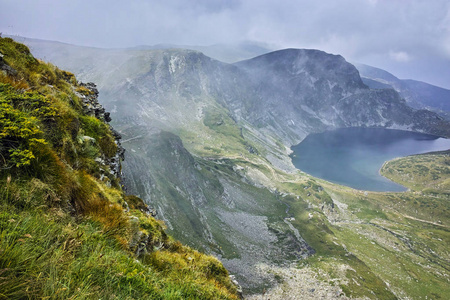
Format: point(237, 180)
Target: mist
point(410, 39)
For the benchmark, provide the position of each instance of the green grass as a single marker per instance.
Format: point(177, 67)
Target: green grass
point(362, 281)
point(402, 269)
point(65, 233)
point(220, 122)
point(428, 173)
point(378, 245)
point(52, 255)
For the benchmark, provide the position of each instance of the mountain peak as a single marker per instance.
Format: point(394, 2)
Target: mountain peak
point(304, 63)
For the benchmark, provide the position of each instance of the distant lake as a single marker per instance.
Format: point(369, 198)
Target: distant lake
point(354, 156)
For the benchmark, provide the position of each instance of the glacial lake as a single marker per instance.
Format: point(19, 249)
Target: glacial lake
point(354, 156)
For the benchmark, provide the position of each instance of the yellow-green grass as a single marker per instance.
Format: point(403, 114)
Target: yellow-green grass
point(65, 233)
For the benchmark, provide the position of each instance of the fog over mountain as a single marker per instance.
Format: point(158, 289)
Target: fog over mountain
point(408, 38)
point(417, 94)
point(208, 142)
point(208, 107)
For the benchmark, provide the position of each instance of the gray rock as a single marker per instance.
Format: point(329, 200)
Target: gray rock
point(92, 107)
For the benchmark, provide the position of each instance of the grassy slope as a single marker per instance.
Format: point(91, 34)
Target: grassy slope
point(66, 234)
point(387, 243)
point(375, 245)
point(428, 173)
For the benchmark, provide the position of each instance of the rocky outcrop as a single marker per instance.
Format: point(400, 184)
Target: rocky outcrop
point(4, 67)
point(88, 93)
point(91, 106)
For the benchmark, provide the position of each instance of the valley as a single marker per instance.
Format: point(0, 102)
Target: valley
point(207, 146)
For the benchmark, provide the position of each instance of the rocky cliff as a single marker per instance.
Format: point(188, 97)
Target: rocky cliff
point(108, 166)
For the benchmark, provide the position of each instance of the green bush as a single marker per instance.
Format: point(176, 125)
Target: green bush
point(20, 132)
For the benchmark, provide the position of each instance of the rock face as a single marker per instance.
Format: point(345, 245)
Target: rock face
point(6, 68)
point(92, 107)
point(303, 91)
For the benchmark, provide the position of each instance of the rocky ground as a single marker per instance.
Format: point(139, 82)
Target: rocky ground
point(295, 283)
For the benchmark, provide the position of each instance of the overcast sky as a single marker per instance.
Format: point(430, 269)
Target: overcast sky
point(410, 38)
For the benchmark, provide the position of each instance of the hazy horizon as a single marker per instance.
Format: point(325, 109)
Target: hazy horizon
point(408, 38)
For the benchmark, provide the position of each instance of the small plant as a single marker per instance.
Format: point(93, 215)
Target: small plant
point(20, 134)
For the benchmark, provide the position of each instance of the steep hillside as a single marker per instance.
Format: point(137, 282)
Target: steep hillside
point(67, 229)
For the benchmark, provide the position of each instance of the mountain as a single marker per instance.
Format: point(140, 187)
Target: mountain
point(67, 228)
point(85, 58)
point(190, 181)
point(228, 53)
point(207, 148)
point(416, 93)
point(310, 91)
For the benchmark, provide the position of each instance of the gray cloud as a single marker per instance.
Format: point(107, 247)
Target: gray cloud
point(410, 38)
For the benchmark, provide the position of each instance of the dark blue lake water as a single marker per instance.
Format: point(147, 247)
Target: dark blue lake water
point(354, 156)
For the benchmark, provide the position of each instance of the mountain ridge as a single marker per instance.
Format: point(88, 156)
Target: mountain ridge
point(202, 138)
point(418, 94)
point(319, 95)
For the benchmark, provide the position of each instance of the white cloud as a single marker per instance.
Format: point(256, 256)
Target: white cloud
point(358, 30)
point(400, 56)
